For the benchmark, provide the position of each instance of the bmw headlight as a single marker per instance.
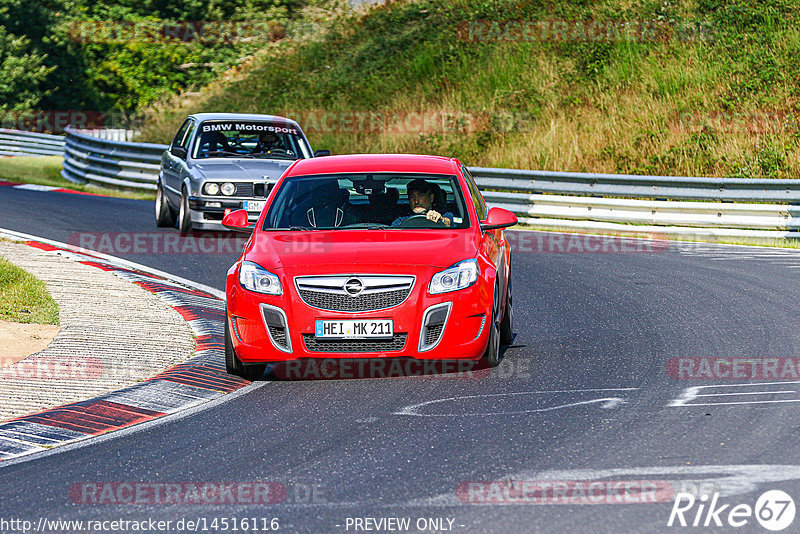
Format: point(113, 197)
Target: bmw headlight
point(254, 277)
point(228, 189)
point(461, 275)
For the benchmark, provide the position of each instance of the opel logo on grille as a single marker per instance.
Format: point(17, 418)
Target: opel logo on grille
point(354, 287)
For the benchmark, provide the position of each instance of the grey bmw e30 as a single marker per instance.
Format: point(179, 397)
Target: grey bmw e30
point(221, 162)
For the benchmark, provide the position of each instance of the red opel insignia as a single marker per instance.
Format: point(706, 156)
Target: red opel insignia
point(370, 256)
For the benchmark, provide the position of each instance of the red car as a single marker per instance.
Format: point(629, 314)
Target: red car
point(370, 256)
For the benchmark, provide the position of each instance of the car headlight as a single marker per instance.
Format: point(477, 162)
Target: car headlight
point(254, 277)
point(461, 275)
point(211, 189)
point(228, 189)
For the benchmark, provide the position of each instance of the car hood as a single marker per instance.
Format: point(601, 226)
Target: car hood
point(323, 252)
point(241, 169)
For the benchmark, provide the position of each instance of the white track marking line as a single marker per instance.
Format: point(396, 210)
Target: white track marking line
point(689, 394)
point(606, 403)
point(745, 393)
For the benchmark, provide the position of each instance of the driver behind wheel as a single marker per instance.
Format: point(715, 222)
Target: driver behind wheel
point(268, 141)
point(421, 195)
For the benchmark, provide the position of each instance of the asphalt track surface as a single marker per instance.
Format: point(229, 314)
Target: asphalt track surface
point(583, 394)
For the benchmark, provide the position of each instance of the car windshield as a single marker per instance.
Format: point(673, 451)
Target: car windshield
point(250, 139)
point(374, 201)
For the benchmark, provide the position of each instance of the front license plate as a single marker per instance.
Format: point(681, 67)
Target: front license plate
point(254, 205)
point(354, 329)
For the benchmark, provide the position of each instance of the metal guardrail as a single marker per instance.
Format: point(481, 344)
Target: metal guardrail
point(22, 143)
point(89, 159)
point(564, 200)
point(646, 204)
point(638, 186)
point(113, 134)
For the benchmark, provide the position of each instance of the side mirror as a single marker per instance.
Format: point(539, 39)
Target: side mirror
point(498, 218)
point(237, 221)
point(179, 152)
point(320, 153)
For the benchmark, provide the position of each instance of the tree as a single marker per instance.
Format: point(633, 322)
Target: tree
point(22, 73)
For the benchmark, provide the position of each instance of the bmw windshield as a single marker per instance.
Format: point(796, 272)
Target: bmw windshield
point(250, 139)
point(374, 201)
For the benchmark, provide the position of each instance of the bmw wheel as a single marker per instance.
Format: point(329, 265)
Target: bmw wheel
point(165, 217)
point(184, 215)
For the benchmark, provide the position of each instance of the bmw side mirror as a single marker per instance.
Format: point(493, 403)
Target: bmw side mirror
point(320, 153)
point(179, 152)
point(237, 221)
point(498, 218)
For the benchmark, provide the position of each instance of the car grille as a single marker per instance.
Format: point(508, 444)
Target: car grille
point(278, 334)
point(432, 334)
point(244, 190)
point(396, 343)
point(329, 293)
point(375, 301)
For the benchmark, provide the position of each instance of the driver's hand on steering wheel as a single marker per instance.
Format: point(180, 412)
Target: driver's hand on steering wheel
point(435, 216)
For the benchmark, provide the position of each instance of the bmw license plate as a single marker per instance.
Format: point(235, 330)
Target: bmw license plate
point(254, 205)
point(353, 329)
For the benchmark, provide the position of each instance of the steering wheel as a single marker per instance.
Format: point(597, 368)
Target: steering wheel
point(420, 221)
point(276, 151)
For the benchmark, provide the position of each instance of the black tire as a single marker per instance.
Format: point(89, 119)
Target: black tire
point(492, 354)
point(506, 333)
point(184, 215)
point(232, 364)
point(165, 216)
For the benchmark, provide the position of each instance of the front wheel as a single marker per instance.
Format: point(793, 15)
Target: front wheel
point(184, 215)
point(492, 354)
point(232, 363)
point(165, 217)
point(506, 335)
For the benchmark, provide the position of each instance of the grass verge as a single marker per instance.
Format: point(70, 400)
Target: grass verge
point(47, 171)
point(413, 77)
point(24, 298)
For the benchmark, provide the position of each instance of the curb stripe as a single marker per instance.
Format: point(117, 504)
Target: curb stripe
point(198, 380)
point(49, 189)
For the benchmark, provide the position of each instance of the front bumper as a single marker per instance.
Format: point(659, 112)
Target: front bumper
point(258, 334)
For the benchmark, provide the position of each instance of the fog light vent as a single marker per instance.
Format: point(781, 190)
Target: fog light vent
point(433, 322)
point(277, 327)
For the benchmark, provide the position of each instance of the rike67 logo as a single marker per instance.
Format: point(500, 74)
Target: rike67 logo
point(774, 510)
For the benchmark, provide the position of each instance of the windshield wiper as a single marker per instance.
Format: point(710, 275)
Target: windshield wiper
point(367, 226)
point(226, 153)
point(269, 155)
